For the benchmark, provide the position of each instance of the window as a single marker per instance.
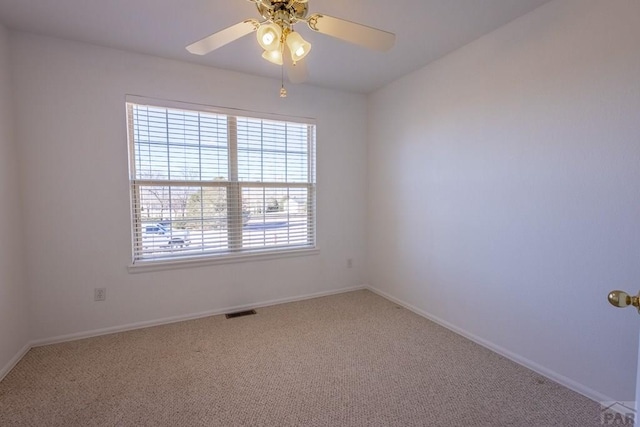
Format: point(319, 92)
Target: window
point(205, 183)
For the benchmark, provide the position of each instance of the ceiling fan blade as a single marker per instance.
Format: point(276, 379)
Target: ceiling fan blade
point(221, 38)
point(298, 72)
point(351, 32)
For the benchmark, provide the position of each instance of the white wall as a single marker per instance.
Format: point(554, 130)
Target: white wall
point(70, 119)
point(14, 326)
point(504, 190)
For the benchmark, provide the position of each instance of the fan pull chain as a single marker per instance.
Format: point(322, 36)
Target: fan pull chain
point(283, 91)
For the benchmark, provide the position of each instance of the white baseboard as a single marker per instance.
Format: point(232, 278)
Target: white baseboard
point(182, 318)
point(14, 361)
point(552, 375)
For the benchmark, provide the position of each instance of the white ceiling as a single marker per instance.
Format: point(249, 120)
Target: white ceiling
point(426, 30)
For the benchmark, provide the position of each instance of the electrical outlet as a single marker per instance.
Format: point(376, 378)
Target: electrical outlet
point(349, 262)
point(100, 294)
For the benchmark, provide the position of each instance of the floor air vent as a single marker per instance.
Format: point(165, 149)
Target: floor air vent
point(240, 314)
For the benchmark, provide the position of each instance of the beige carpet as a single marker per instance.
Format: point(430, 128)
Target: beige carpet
point(353, 359)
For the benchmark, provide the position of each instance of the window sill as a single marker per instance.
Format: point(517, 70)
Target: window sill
point(203, 261)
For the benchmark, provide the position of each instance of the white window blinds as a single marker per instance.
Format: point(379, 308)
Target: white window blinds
point(212, 184)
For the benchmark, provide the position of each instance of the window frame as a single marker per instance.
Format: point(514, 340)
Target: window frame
point(233, 186)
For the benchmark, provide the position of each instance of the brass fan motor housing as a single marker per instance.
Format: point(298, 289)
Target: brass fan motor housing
point(286, 12)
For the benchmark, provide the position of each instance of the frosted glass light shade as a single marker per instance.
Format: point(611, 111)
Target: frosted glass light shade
point(274, 56)
point(269, 36)
point(298, 46)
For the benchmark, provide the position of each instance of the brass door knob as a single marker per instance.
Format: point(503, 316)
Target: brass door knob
point(621, 299)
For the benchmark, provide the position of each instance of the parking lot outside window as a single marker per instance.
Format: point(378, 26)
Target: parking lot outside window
point(212, 183)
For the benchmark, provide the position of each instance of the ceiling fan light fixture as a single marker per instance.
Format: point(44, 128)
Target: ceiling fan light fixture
point(269, 36)
point(285, 47)
point(298, 46)
point(273, 56)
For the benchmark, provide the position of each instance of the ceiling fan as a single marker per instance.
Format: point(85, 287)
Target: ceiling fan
point(285, 47)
